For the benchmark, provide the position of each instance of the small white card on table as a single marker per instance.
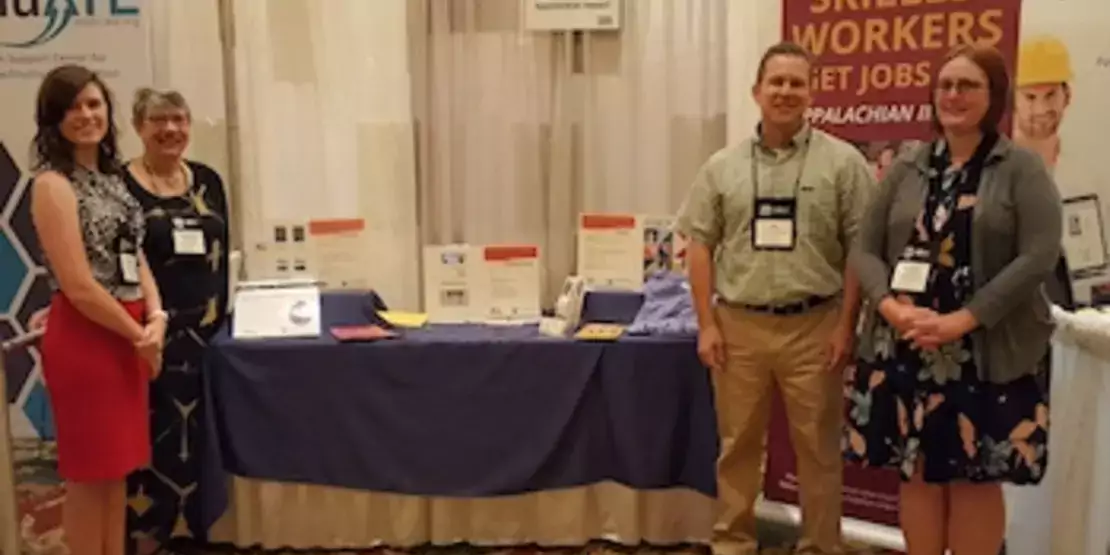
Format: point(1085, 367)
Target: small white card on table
point(276, 309)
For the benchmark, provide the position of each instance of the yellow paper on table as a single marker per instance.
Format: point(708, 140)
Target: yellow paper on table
point(600, 332)
point(404, 319)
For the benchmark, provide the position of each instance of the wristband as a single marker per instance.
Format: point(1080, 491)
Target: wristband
point(158, 315)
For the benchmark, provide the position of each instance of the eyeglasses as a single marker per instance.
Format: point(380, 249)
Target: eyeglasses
point(161, 120)
point(958, 86)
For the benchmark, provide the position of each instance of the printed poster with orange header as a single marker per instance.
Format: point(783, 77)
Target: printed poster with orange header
point(511, 276)
point(873, 82)
point(621, 251)
point(482, 283)
point(611, 251)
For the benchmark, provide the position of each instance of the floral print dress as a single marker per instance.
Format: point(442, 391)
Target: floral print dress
point(902, 412)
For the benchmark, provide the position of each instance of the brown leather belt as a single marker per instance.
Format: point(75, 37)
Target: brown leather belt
point(799, 307)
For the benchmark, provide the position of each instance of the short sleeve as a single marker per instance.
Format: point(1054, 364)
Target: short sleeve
point(699, 218)
point(857, 187)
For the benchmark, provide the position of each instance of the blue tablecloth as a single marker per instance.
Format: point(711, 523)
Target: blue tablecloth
point(460, 410)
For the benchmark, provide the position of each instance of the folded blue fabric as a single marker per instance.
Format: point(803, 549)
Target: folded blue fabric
point(668, 309)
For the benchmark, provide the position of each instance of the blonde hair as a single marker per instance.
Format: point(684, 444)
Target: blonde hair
point(148, 100)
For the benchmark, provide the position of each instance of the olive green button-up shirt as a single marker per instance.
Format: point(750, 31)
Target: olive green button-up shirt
point(835, 186)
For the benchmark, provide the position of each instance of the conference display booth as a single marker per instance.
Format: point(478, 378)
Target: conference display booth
point(1061, 516)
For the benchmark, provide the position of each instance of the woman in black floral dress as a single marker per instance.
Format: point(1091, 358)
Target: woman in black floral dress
point(186, 214)
point(947, 387)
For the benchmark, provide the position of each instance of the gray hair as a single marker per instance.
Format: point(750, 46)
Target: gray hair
point(148, 100)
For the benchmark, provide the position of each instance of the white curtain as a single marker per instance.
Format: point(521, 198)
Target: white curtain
point(325, 128)
point(655, 100)
point(521, 131)
point(187, 56)
point(753, 26)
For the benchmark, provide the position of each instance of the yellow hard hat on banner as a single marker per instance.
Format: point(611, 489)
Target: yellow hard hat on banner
point(1043, 61)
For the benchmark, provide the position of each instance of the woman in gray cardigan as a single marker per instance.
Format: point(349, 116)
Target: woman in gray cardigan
point(952, 259)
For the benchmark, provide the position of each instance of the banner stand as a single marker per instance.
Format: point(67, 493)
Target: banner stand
point(9, 508)
point(854, 530)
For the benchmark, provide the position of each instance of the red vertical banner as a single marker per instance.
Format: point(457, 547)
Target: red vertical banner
point(872, 81)
point(876, 58)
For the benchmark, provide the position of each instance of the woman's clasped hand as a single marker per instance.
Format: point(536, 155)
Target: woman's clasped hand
point(924, 327)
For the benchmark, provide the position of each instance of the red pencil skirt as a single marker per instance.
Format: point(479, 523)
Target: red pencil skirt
point(99, 392)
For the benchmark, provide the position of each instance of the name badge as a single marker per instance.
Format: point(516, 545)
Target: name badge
point(189, 241)
point(774, 226)
point(910, 276)
point(129, 268)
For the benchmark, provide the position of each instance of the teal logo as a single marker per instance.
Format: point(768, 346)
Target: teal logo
point(58, 15)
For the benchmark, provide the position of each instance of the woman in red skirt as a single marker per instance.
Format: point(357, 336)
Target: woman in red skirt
point(106, 327)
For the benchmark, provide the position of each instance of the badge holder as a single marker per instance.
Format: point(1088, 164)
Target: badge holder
point(128, 252)
point(775, 220)
point(189, 242)
point(774, 227)
point(910, 276)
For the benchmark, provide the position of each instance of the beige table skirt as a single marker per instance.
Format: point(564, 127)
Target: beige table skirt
point(276, 515)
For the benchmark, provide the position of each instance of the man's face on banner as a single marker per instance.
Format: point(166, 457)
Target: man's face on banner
point(783, 94)
point(1039, 109)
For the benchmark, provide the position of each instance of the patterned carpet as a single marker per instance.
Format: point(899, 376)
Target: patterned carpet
point(40, 496)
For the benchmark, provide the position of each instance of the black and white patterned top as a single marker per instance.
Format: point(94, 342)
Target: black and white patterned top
point(111, 223)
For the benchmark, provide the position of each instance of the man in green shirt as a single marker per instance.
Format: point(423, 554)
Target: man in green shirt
point(770, 222)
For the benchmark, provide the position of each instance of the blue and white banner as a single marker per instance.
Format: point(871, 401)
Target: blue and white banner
point(108, 36)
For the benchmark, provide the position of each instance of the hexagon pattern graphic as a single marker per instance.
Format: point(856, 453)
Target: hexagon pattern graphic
point(12, 276)
point(19, 221)
point(9, 176)
point(37, 408)
point(23, 289)
point(34, 297)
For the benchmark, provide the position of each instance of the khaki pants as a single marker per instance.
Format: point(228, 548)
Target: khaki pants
point(791, 351)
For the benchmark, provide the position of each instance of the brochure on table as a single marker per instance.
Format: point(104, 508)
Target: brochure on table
point(488, 283)
point(617, 251)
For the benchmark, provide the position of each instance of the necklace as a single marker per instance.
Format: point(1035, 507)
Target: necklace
point(166, 185)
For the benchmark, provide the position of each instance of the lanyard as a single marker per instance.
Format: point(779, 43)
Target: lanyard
point(966, 181)
point(755, 171)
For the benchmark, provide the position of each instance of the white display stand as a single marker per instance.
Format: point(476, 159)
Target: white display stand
point(1067, 514)
point(568, 309)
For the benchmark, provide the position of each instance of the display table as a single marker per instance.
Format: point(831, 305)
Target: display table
point(485, 434)
point(499, 436)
